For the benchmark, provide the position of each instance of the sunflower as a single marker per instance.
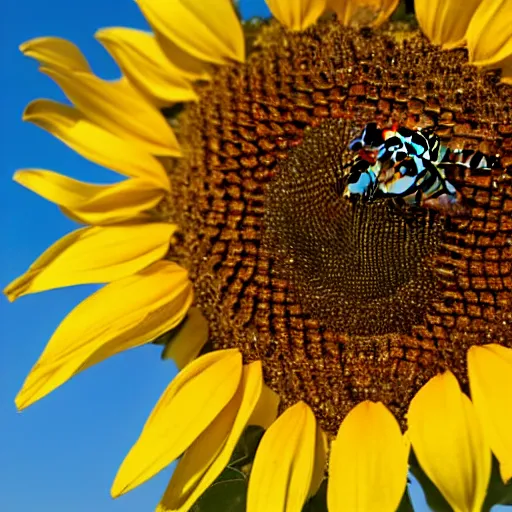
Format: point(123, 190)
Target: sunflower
point(365, 338)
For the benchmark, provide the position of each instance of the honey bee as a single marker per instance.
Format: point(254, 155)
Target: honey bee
point(407, 165)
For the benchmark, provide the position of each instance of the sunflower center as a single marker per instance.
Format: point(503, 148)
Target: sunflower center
point(341, 302)
point(362, 268)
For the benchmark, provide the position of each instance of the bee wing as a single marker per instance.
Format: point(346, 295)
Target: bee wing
point(447, 204)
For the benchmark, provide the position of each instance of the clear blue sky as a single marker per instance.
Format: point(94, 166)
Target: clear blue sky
point(61, 454)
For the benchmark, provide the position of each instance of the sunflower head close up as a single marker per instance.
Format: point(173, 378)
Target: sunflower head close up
point(315, 221)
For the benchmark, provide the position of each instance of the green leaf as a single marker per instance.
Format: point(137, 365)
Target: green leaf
point(227, 494)
point(406, 504)
point(245, 449)
point(318, 503)
point(230, 474)
point(404, 11)
point(498, 493)
point(171, 113)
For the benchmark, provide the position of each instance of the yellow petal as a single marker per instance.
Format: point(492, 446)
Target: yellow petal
point(282, 472)
point(296, 14)
point(196, 460)
point(94, 255)
point(93, 204)
point(506, 70)
point(362, 12)
point(19, 286)
point(321, 449)
point(346, 10)
point(445, 22)
point(120, 316)
point(55, 52)
point(208, 30)
point(386, 9)
point(368, 462)
point(266, 409)
point(449, 443)
point(189, 67)
point(191, 402)
point(94, 143)
point(490, 379)
point(118, 108)
point(186, 344)
point(489, 35)
point(207, 457)
point(145, 65)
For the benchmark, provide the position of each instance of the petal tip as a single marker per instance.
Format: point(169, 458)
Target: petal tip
point(23, 47)
point(121, 484)
point(21, 401)
point(26, 46)
point(14, 290)
point(28, 111)
point(117, 489)
point(7, 294)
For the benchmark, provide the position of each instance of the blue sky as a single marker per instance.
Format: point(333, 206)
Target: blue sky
point(61, 454)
